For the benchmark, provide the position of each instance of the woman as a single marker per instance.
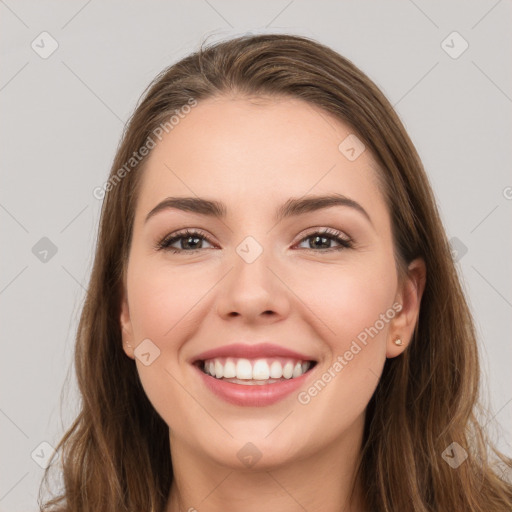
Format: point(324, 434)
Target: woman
point(274, 320)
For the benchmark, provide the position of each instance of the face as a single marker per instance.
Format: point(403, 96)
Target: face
point(262, 290)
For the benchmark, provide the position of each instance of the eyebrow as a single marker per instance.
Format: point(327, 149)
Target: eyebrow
point(292, 207)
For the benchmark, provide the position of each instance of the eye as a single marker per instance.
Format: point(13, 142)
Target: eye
point(322, 240)
point(189, 241)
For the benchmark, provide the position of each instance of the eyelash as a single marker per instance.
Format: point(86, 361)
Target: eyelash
point(330, 234)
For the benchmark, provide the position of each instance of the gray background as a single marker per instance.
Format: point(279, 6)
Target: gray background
point(62, 116)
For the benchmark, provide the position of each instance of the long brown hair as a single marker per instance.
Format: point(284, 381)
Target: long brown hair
point(116, 455)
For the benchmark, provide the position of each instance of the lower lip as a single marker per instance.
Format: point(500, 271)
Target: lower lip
point(256, 395)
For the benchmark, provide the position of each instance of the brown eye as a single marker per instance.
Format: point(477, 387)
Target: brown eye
point(323, 240)
point(188, 241)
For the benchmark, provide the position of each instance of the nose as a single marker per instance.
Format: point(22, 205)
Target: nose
point(253, 291)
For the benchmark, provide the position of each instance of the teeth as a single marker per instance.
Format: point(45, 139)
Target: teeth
point(269, 370)
point(260, 370)
point(229, 369)
point(297, 370)
point(219, 370)
point(288, 370)
point(243, 369)
point(276, 370)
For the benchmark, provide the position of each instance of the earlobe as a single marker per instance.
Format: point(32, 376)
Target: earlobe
point(409, 296)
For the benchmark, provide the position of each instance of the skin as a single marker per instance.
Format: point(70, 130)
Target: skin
point(253, 155)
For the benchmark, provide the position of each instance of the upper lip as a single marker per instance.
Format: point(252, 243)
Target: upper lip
point(260, 350)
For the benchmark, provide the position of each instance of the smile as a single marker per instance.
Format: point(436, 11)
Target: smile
point(252, 375)
point(255, 371)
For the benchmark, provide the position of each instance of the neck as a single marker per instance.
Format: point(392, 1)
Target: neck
point(320, 482)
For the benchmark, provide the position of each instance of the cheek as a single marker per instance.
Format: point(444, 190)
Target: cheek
point(356, 307)
point(164, 302)
point(347, 300)
point(163, 298)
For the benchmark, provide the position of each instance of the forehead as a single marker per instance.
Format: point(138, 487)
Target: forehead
point(252, 152)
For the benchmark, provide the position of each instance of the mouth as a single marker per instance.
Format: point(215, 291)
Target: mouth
point(254, 372)
point(254, 382)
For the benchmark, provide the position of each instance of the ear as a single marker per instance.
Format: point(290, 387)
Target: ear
point(126, 327)
point(409, 296)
